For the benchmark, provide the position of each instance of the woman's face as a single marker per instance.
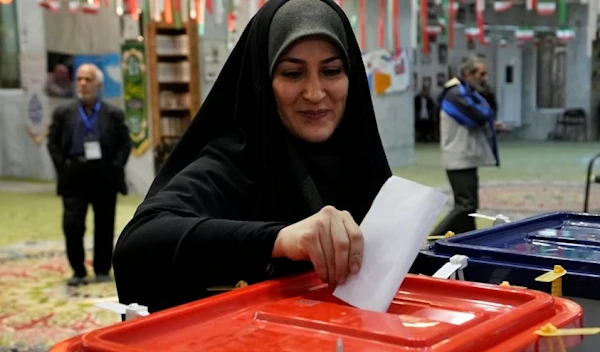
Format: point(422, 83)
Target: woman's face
point(311, 86)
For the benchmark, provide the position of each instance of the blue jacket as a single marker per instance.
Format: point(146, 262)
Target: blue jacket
point(469, 109)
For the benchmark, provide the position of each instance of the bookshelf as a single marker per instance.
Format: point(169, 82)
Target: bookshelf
point(174, 82)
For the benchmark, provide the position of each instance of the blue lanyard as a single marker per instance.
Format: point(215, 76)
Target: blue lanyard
point(89, 121)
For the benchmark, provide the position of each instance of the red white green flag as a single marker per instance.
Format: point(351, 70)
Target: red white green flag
point(545, 7)
point(502, 5)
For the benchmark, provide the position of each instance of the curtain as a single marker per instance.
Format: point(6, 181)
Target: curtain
point(9, 47)
point(551, 67)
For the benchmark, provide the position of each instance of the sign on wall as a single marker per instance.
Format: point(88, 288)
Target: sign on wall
point(387, 72)
point(110, 65)
point(134, 95)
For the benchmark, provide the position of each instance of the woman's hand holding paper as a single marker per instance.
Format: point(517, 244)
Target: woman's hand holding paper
point(330, 239)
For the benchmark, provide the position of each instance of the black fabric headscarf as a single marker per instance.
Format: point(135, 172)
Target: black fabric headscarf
point(237, 176)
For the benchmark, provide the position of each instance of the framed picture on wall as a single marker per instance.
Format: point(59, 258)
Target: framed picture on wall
point(426, 82)
point(442, 53)
point(441, 79)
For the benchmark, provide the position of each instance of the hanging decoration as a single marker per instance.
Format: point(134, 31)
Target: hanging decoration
point(133, 9)
point(546, 7)
point(177, 17)
point(524, 34)
point(156, 10)
point(472, 31)
point(530, 5)
point(434, 23)
point(146, 12)
point(564, 33)
point(423, 24)
point(200, 16)
point(381, 32)
point(479, 9)
point(362, 13)
point(168, 11)
point(452, 11)
point(444, 20)
point(502, 5)
point(396, 25)
point(219, 11)
point(119, 7)
point(52, 5)
point(231, 18)
point(74, 5)
point(90, 6)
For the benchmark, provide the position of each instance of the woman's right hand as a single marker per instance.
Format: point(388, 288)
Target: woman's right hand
point(330, 239)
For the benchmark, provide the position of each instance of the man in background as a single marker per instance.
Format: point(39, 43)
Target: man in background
point(89, 144)
point(425, 121)
point(468, 141)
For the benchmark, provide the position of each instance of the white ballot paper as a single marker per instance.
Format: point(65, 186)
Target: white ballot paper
point(394, 231)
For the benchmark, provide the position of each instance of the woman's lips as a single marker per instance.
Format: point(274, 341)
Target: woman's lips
point(314, 114)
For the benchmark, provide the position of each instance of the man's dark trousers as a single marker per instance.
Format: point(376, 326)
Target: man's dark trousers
point(465, 188)
point(91, 184)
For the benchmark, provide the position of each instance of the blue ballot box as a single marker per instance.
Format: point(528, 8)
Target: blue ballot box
point(521, 251)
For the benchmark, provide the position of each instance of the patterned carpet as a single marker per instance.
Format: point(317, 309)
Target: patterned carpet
point(526, 198)
point(37, 309)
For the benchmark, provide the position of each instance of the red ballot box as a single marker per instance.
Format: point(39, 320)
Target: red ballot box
point(300, 314)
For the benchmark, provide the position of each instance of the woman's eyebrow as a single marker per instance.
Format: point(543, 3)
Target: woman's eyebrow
point(300, 61)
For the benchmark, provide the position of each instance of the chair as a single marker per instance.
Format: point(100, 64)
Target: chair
point(588, 182)
point(568, 121)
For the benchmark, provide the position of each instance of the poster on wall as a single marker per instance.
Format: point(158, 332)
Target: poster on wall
point(366, 56)
point(33, 79)
point(59, 76)
point(387, 72)
point(110, 65)
point(215, 56)
point(134, 87)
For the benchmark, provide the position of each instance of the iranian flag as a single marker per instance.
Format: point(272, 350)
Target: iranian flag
point(91, 6)
point(434, 30)
point(74, 5)
point(546, 8)
point(52, 5)
point(454, 7)
point(565, 34)
point(503, 5)
point(524, 34)
point(471, 33)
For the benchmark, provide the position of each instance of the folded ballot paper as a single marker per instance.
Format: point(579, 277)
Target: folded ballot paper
point(394, 231)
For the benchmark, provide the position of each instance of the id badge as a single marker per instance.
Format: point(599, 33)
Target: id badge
point(92, 150)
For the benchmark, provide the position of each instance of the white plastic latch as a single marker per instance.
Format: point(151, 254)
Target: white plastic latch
point(455, 265)
point(131, 311)
point(498, 219)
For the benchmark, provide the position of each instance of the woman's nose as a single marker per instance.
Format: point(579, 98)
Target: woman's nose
point(313, 90)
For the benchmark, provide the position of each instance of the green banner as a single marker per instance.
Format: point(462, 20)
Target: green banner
point(134, 94)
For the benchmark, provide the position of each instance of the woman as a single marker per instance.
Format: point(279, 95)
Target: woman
point(279, 166)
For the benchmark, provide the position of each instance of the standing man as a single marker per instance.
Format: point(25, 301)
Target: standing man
point(468, 141)
point(89, 144)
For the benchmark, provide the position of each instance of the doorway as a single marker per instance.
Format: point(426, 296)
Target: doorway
point(509, 64)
